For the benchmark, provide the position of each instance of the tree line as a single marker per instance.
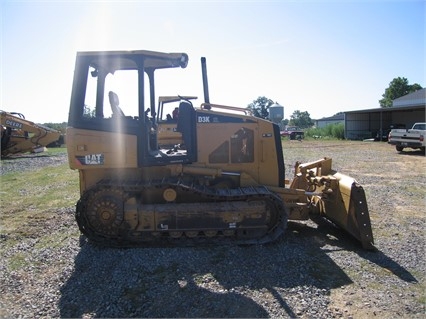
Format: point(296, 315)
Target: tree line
point(260, 108)
point(397, 87)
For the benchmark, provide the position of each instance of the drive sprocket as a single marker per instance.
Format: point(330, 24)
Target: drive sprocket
point(101, 211)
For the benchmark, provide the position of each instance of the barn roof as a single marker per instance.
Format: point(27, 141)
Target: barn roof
point(337, 117)
point(412, 99)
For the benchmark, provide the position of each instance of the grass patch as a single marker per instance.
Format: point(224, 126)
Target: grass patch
point(42, 189)
point(32, 202)
point(17, 261)
point(55, 150)
point(54, 240)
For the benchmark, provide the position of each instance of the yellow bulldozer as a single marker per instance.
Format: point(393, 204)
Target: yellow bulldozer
point(222, 181)
point(19, 135)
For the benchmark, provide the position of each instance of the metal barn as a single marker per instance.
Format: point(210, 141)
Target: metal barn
point(373, 123)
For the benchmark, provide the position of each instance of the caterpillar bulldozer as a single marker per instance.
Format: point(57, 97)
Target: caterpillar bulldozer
point(19, 135)
point(223, 180)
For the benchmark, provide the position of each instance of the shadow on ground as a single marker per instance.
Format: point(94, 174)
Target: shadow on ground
point(344, 241)
point(153, 282)
point(411, 152)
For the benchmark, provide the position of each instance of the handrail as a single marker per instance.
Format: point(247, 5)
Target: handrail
point(208, 106)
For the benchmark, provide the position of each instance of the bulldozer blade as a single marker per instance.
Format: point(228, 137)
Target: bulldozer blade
point(347, 208)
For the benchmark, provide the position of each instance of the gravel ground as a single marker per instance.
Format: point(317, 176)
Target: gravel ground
point(311, 272)
point(27, 162)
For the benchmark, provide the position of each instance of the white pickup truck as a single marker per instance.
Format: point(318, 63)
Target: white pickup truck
point(412, 138)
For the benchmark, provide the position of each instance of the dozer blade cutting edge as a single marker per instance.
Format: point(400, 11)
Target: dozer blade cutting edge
point(350, 211)
point(337, 197)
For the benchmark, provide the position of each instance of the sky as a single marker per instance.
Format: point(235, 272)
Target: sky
point(322, 57)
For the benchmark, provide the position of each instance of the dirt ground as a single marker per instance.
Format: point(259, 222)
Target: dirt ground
point(394, 183)
point(314, 271)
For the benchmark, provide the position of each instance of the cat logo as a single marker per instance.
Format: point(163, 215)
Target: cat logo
point(94, 159)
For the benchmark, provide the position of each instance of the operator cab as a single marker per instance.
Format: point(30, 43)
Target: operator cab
point(115, 92)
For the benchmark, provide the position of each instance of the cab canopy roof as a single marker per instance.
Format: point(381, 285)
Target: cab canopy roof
point(128, 60)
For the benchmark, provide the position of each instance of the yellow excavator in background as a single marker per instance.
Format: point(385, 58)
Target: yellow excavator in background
point(223, 182)
point(19, 135)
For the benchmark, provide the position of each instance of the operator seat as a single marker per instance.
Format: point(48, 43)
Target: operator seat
point(114, 101)
point(187, 126)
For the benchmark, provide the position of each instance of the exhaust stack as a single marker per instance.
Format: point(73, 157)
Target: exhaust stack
point(205, 82)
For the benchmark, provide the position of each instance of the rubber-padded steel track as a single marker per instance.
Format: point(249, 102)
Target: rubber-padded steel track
point(112, 230)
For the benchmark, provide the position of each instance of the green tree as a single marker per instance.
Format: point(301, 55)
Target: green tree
point(61, 127)
point(260, 107)
point(397, 87)
point(301, 119)
point(285, 122)
point(88, 112)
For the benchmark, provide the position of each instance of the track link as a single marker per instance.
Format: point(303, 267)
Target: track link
point(102, 216)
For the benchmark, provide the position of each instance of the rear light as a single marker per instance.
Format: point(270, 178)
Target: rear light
point(421, 138)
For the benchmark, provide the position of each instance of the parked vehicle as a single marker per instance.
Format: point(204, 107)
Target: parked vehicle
point(293, 133)
point(412, 138)
point(385, 133)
